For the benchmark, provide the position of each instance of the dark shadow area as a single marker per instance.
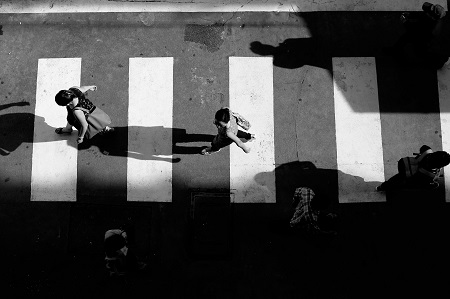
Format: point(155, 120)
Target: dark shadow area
point(18, 128)
point(406, 89)
point(150, 143)
point(406, 85)
point(17, 104)
point(291, 53)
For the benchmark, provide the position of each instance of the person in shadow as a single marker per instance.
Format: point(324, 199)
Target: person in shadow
point(418, 43)
point(120, 259)
point(310, 214)
point(421, 171)
point(291, 53)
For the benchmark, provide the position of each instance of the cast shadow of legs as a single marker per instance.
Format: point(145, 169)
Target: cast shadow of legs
point(147, 143)
point(291, 53)
point(18, 128)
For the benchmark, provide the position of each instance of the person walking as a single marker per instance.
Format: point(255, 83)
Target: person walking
point(120, 259)
point(310, 214)
point(227, 123)
point(420, 39)
point(421, 171)
point(82, 114)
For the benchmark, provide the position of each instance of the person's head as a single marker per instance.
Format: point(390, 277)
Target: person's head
point(434, 11)
point(438, 159)
point(114, 243)
point(64, 97)
point(222, 117)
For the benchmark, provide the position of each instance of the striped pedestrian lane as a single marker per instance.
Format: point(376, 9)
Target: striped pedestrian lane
point(150, 121)
point(54, 160)
point(251, 94)
point(150, 117)
point(358, 134)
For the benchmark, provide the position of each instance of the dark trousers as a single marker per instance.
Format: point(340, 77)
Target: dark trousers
point(221, 141)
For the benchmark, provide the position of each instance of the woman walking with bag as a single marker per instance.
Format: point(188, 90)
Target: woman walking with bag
point(82, 114)
point(227, 123)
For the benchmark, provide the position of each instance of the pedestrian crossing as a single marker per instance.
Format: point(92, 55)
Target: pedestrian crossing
point(150, 107)
point(443, 77)
point(358, 134)
point(54, 162)
point(251, 91)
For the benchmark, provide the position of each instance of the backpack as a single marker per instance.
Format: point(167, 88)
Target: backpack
point(241, 121)
point(410, 166)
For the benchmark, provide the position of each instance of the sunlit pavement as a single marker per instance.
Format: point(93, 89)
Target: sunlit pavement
point(391, 247)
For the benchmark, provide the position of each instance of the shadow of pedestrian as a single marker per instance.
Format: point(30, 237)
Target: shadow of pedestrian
point(291, 53)
point(148, 143)
point(18, 128)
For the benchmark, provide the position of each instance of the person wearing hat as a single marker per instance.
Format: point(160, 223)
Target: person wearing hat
point(421, 171)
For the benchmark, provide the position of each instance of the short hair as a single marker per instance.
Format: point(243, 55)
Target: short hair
point(64, 97)
point(223, 115)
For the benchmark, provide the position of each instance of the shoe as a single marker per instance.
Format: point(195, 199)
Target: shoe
point(60, 131)
point(207, 151)
point(107, 130)
point(378, 189)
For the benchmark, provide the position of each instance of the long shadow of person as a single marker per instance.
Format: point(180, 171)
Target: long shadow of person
point(291, 53)
point(148, 143)
point(324, 182)
point(18, 128)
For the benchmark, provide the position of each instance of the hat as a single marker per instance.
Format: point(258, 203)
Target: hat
point(435, 11)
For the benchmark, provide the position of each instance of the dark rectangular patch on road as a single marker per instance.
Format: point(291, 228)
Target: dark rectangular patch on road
point(210, 225)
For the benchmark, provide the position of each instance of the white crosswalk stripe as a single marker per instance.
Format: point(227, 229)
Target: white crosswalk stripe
point(251, 93)
point(54, 162)
point(150, 117)
point(358, 132)
point(444, 104)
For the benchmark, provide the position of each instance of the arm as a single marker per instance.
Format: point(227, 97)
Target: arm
point(83, 89)
point(238, 142)
point(84, 125)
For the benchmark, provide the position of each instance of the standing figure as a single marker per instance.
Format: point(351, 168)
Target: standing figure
point(420, 35)
point(310, 214)
point(421, 171)
point(82, 114)
point(227, 123)
point(120, 260)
